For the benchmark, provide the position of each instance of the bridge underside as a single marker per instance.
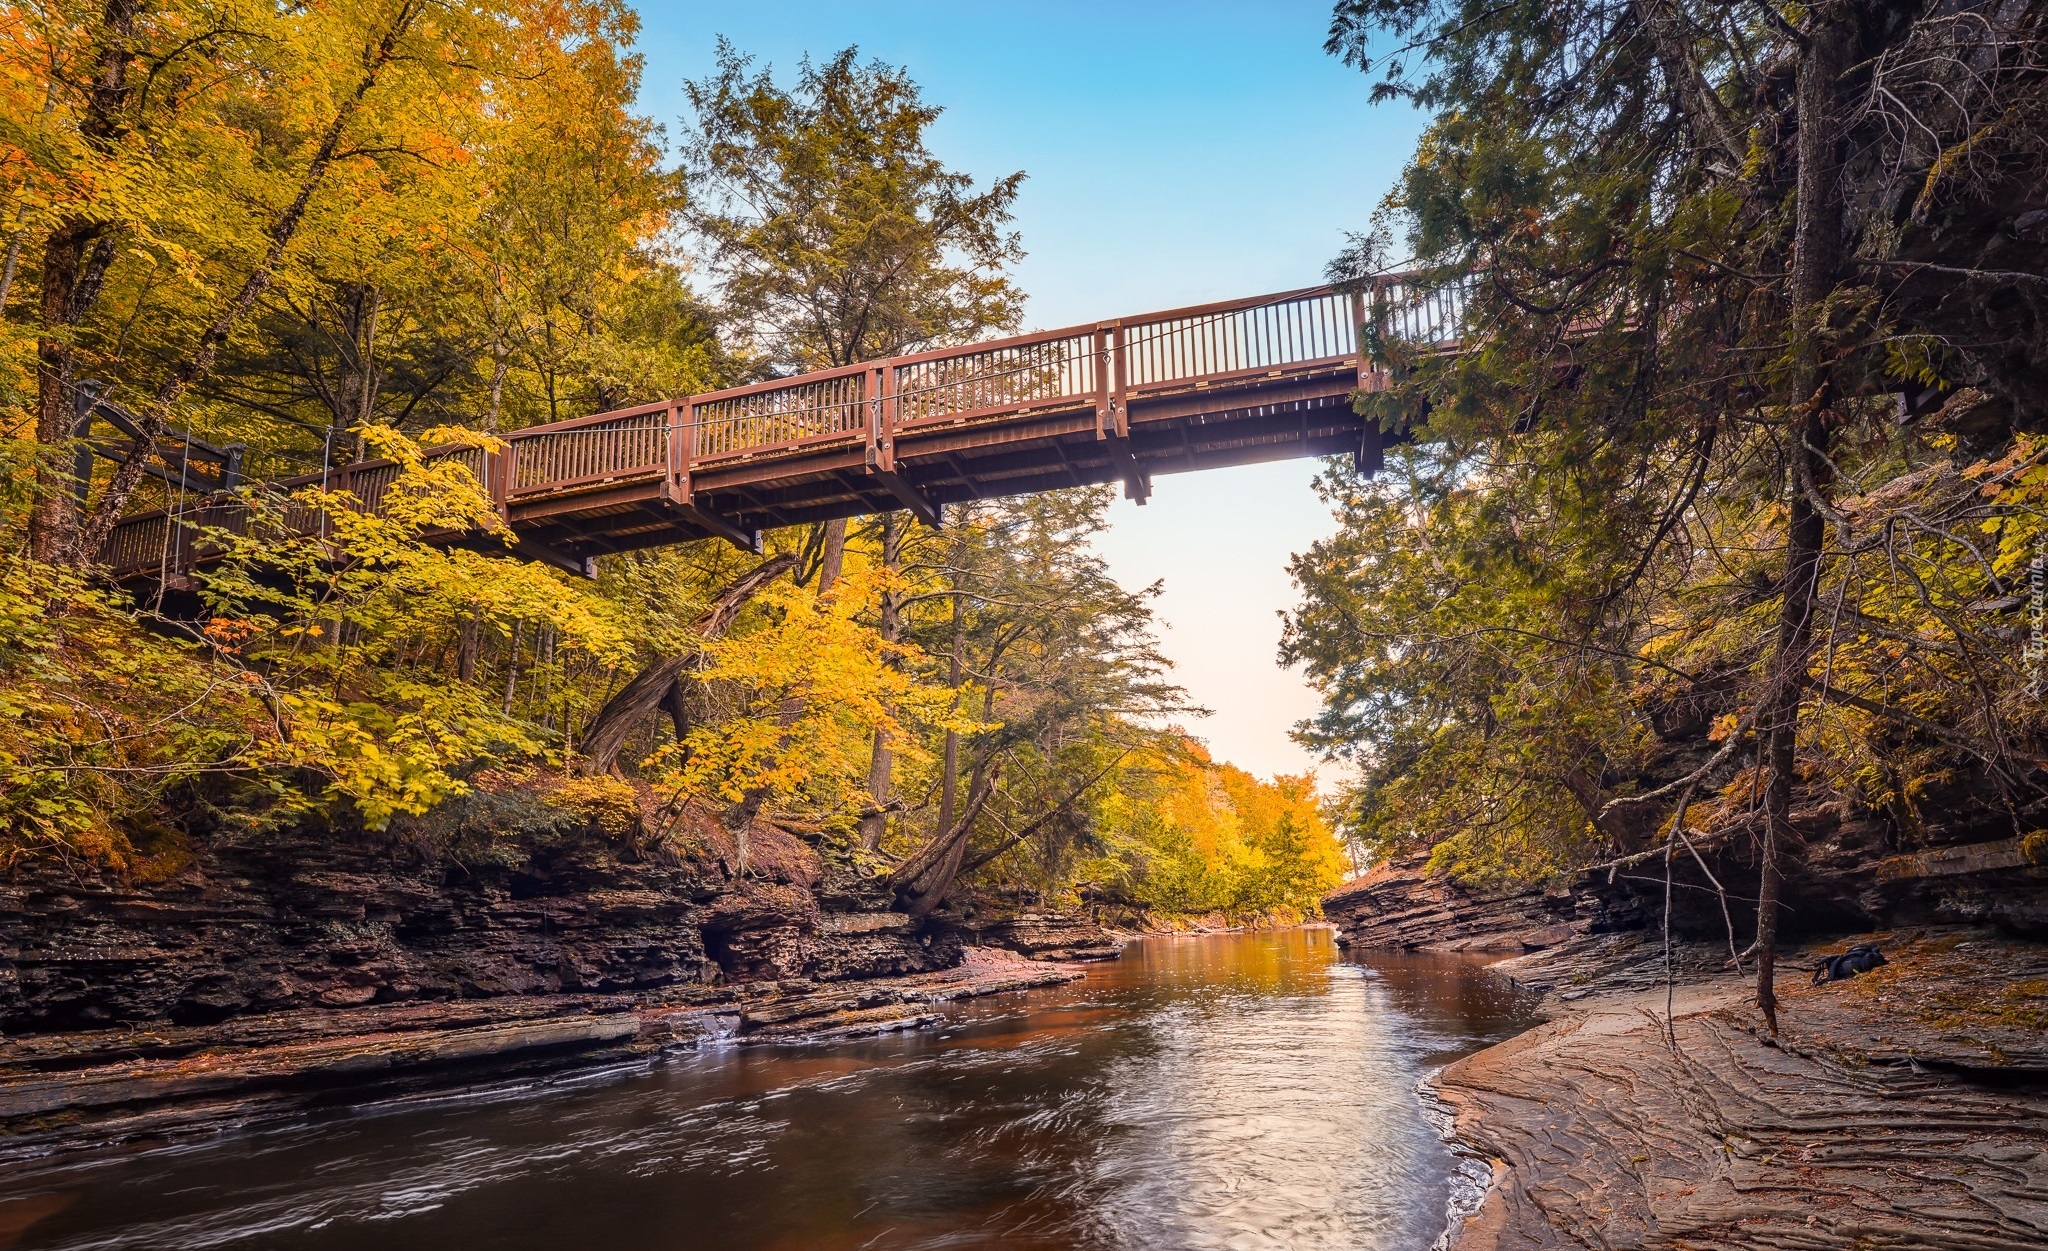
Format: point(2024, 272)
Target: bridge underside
point(1200, 428)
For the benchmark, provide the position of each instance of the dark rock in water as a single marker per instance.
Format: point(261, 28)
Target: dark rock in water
point(1050, 936)
point(1861, 958)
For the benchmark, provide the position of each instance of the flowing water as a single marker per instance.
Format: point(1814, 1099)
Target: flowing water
point(1231, 1091)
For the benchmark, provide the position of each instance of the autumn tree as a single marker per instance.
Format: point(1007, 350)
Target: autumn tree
point(837, 235)
point(265, 225)
point(1758, 290)
point(530, 278)
point(152, 175)
point(1062, 668)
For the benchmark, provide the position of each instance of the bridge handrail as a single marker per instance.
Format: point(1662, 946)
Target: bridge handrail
point(1094, 363)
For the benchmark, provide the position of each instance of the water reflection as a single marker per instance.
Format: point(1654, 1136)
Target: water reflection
point(1235, 1091)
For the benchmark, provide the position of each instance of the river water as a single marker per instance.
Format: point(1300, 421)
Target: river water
point(1229, 1091)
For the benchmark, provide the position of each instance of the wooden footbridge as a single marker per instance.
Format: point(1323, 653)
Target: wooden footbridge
point(1232, 383)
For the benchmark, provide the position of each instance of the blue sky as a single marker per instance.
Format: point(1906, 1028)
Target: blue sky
point(1175, 153)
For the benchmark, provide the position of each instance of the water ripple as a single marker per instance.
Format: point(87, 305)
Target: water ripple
point(1244, 1091)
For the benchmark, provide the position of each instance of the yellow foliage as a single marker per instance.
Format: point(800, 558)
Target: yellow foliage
point(610, 806)
point(811, 686)
point(1189, 836)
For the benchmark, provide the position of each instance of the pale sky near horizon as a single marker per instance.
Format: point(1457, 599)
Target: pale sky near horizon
point(1176, 153)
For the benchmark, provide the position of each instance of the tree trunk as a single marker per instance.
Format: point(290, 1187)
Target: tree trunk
point(466, 642)
point(54, 516)
point(355, 392)
point(949, 781)
point(929, 889)
point(1816, 264)
point(70, 285)
point(922, 881)
point(834, 559)
point(645, 694)
point(678, 704)
point(376, 57)
point(882, 760)
point(512, 664)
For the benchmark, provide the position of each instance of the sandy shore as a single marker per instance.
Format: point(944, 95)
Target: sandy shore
point(1907, 1108)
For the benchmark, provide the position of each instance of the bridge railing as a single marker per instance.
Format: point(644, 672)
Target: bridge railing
point(1249, 337)
point(589, 450)
point(175, 537)
point(1007, 376)
point(787, 412)
point(1103, 365)
point(1424, 317)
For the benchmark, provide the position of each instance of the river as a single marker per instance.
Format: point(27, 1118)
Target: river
point(1228, 1091)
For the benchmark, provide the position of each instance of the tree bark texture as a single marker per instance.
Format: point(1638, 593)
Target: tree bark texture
point(75, 258)
point(1817, 254)
point(649, 690)
point(834, 559)
point(881, 761)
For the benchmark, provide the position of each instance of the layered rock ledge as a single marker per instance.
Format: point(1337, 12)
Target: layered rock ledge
point(515, 936)
point(1907, 1108)
point(157, 1081)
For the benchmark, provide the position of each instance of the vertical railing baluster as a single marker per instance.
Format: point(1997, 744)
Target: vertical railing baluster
point(1120, 401)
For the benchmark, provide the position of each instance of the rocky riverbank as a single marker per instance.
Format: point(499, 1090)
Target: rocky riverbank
point(526, 932)
point(1907, 1107)
point(156, 1082)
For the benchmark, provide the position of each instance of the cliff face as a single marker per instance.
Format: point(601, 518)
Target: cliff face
point(518, 932)
point(1400, 904)
point(1853, 870)
point(504, 896)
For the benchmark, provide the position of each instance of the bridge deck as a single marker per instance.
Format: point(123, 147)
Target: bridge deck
point(1231, 383)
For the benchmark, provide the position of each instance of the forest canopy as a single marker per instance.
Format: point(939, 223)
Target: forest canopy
point(1724, 519)
point(357, 228)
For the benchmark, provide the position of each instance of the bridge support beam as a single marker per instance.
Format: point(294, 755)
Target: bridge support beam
point(1371, 456)
point(679, 502)
point(535, 550)
point(1113, 410)
point(907, 494)
point(1137, 483)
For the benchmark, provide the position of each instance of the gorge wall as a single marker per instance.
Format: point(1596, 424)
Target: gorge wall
point(501, 894)
point(1853, 871)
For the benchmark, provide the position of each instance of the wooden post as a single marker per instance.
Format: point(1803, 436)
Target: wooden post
point(1119, 400)
point(494, 477)
point(1358, 339)
point(682, 444)
point(876, 385)
point(892, 413)
point(1104, 423)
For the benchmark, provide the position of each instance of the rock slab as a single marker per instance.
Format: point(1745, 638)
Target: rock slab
point(1898, 1111)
